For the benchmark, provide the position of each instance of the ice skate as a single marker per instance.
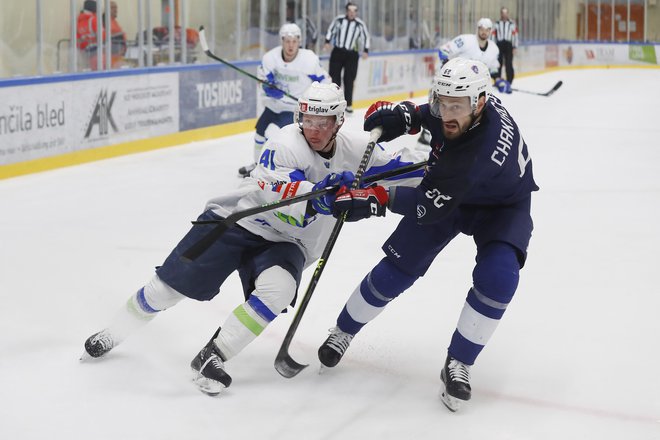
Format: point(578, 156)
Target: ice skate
point(332, 350)
point(455, 377)
point(246, 170)
point(98, 345)
point(208, 369)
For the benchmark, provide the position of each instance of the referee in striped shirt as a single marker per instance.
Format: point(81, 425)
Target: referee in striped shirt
point(506, 37)
point(348, 34)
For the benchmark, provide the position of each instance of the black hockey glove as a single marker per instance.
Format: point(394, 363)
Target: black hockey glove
point(361, 203)
point(396, 119)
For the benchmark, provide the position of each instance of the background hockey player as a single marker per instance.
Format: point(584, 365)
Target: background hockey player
point(268, 250)
point(473, 47)
point(478, 182)
point(477, 47)
point(289, 69)
point(480, 48)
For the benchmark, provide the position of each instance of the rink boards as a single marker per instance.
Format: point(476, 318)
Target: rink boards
point(56, 121)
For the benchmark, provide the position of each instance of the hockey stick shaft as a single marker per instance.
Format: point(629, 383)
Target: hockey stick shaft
point(233, 218)
point(548, 93)
point(222, 225)
point(284, 363)
point(207, 51)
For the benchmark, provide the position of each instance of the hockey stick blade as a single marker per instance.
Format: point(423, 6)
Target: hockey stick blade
point(284, 363)
point(555, 88)
point(548, 93)
point(207, 51)
point(222, 225)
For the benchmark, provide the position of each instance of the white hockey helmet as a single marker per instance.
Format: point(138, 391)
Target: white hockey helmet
point(322, 99)
point(485, 23)
point(290, 30)
point(460, 77)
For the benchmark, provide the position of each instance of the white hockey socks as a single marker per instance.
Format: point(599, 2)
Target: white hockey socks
point(274, 290)
point(142, 307)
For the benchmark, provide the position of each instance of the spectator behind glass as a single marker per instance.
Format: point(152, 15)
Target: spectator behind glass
point(117, 37)
point(86, 35)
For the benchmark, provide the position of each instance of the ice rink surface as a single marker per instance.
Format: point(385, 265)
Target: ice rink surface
point(576, 355)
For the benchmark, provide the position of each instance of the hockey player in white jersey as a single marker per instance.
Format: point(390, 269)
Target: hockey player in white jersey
point(269, 250)
point(476, 46)
point(289, 69)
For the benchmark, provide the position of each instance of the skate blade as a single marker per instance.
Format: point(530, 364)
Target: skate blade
point(452, 403)
point(207, 386)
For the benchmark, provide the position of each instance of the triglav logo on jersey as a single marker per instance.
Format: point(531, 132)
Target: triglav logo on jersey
point(102, 114)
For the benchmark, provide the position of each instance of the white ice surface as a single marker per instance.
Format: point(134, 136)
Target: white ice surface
point(576, 355)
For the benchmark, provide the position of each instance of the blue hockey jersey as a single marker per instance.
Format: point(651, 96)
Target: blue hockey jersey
point(489, 165)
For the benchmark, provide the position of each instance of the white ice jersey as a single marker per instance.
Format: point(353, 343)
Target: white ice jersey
point(293, 77)
point(289, 167)
point(467, 46)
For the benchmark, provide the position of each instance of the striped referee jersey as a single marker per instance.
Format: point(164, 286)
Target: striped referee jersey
point(506, 31)
point(348, 34)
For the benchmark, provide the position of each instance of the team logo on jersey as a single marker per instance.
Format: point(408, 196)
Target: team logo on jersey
point(475, 69)
point(437, 197)
point(421, 211)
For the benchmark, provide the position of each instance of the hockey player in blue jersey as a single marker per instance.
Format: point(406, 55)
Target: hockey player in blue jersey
point(478, 182)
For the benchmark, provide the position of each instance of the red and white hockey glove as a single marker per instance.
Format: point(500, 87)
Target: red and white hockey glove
point(396, 119)
point(361, 203)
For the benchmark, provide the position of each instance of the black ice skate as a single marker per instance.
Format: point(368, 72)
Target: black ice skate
point(209, 369)
point(246, 170)
point(332, 350)
point(97, 345)
point(456, 379)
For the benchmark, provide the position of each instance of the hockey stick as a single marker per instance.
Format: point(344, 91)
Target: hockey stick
point(548, 93)
point(284, 363)
point(207, 51)
point(222, 225)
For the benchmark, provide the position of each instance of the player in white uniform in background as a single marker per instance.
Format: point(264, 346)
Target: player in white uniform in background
point(478, 47)
point(289, 69)
point(269, 250)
